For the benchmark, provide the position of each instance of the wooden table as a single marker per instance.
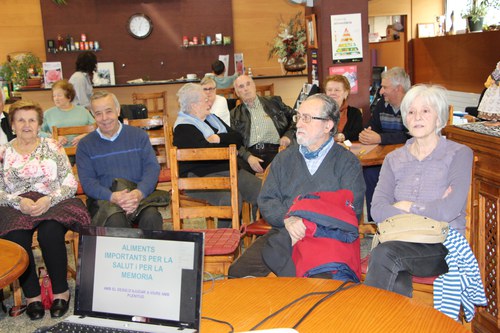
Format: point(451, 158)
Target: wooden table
point(370, 155)
point(245, 302)
point(13, 262)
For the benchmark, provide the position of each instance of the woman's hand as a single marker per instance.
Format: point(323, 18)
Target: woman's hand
point(41, 206)
point(62, 140)
point(77, 139)
point(26, 206)
point(214, 138)
point(403, 205)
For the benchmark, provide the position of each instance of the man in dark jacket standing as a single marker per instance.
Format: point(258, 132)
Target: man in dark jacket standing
point(265, 123)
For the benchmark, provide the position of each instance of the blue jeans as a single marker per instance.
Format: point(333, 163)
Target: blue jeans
point(392, 265)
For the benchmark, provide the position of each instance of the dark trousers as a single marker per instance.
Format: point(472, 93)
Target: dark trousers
point(264, 151)
point(51, 241)
point(392, 265)
point(250, 263)
point(148, 219)
point(370, 174)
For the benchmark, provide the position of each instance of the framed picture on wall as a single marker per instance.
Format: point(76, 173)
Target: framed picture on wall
point(311, 36)
point(426, 30)
point(105, 74)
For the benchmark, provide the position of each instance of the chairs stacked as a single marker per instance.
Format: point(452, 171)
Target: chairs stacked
point(221, 245)
point(155, 102)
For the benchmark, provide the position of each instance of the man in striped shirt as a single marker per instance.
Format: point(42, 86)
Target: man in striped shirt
point(264, 122)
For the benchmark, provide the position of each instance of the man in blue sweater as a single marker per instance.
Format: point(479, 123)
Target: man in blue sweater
point(117, 168)
point(385, 126)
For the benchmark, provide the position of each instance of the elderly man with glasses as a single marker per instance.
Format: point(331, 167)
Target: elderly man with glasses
point(316, 164)
point(264, 122)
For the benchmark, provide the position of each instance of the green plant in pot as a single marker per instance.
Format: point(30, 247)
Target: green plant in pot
point(21, 68)
point(476, 10)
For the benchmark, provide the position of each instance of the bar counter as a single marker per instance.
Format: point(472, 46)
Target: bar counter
point(287, 86)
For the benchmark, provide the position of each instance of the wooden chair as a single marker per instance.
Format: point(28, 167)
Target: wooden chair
point(156, 128)
point(155, 102)
point(262, 90)
point(221, 245)
point(71, 151)
point(450, 115)
point(71, 130)
point(258, 227)
point(228, 93)
point(265, 90)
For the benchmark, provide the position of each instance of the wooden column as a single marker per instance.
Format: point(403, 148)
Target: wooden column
point(323, 9)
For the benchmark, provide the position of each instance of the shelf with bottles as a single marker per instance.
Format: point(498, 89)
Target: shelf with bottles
point(204, 41)
point(55, 51)
point(69, 45)
point(203, 45)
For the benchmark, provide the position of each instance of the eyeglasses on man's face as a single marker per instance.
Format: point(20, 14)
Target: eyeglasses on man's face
point(306, 118)
point(209, 89)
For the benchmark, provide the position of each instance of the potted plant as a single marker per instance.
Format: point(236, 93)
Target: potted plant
point(21, 68)
point(476, 10)
point(289, 45)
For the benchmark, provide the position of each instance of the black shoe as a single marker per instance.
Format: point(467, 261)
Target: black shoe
point(59, 307)
point(35, 310)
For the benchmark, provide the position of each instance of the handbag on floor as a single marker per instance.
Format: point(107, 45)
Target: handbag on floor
point(45, 288)
point(411, 228)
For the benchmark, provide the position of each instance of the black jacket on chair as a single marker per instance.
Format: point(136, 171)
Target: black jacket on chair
point(6, 128)
point(280, 113)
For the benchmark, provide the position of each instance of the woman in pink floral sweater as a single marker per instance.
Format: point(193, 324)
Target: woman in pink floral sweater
point(37, 191)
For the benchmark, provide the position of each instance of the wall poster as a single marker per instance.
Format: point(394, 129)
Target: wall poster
point(350, 72)
point(347, 42)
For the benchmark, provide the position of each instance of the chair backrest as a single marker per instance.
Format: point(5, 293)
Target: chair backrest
point(71, 130)
point(156, 128)
point(265, 90)
point(450, 115)
point(228, 93)
point(204, 183)
point(155, 102)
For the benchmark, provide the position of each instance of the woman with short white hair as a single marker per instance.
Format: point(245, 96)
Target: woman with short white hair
point(430, 176)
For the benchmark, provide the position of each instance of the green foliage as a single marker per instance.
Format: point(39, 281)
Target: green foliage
point(290, 42)
point(19, 69)
point(476, 9)
point(60, 2)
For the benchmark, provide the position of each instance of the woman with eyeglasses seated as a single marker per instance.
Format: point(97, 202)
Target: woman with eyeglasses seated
point(351, 119)
point(218, 104)
point(196, 127)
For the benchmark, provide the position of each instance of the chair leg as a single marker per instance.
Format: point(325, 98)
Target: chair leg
point(18, 308)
